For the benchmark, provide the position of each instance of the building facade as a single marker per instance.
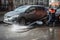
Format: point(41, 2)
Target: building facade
point(6, 5)
point(12, 4)
point(28, 2)
point(54, 3)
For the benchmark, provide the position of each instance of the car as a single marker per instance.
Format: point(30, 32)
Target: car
point(25, 14)
point(58, 14)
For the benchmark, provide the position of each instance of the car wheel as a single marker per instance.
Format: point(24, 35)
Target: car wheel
point(45, 19)
point(22, 21)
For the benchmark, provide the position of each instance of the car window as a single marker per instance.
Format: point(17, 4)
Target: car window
point(30, 9)
point(22, 8)
point(58, 10)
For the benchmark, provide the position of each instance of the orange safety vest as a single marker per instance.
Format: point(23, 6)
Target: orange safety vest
point(52, 11)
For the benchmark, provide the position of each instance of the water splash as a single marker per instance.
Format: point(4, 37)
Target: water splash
point(16, 27)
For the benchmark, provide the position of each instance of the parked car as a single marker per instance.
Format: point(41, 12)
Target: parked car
point(58, 14)
point(25, 14)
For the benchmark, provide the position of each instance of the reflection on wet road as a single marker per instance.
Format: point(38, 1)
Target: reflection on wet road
point(38, 33)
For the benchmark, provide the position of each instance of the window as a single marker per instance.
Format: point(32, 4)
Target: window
point(4, 5)
point(30, 9)
point(58, 10)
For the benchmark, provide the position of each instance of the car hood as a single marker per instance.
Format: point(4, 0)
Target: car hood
point(12, 13)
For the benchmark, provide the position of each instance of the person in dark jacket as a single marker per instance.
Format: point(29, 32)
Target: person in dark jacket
point(51, 15)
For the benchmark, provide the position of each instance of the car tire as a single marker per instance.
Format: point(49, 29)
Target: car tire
point(22, 21)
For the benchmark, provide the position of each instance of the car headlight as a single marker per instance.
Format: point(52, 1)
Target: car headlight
point(11, 17)
point(14, 16)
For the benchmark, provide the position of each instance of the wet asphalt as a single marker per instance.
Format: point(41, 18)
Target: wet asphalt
point(43, 32)
point(37, 33)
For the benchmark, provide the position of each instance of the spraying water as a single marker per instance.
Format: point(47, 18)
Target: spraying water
point(20, 28)
point(17, 27)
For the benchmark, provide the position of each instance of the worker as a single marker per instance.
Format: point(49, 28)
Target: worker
point(51, 16)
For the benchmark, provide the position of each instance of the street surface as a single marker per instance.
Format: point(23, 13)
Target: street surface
point(38, 33)
point(8, 32)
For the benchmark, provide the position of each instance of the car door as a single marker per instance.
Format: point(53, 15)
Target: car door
point(30, 13)
point(35, 13)
point(40, 12)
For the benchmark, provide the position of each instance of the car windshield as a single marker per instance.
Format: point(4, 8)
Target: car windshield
point(21, 8)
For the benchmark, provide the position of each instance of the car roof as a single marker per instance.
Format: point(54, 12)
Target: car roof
point(34, 5)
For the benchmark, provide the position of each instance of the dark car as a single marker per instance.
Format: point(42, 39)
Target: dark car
point(26, 14)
